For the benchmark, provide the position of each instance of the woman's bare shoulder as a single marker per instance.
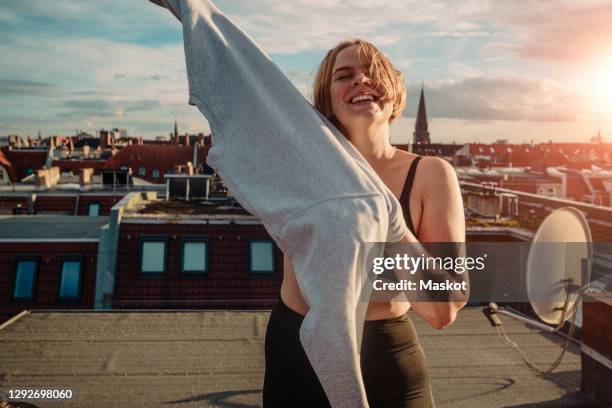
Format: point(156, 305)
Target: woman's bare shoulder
point(438, 169)
point(435, 178)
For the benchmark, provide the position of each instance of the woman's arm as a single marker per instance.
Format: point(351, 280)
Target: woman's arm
point(442, 220)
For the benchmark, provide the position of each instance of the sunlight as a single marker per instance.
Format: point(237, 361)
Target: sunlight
point(600, 84)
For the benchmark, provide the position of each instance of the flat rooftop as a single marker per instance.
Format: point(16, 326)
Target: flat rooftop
point(50, 227)
point(216, 358)
point(177, 210)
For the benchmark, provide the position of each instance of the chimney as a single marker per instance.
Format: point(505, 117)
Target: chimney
point(140, 141)
point(189, 168)
point(47, 177)
point(104, 142)
point(187, 139)
point(85, 176)
point(196, 150)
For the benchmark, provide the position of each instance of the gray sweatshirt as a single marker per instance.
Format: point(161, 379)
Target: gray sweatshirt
point(313, 191)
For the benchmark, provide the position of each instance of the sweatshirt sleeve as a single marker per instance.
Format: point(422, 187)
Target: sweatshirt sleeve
point(286, 164)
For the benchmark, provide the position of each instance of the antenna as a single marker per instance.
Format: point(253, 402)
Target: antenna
point(557, 275)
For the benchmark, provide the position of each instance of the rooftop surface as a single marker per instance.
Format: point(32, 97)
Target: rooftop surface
point(180, 210)
point(50, 227)
point(215, 358)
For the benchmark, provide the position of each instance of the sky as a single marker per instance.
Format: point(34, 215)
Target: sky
point(522, 71)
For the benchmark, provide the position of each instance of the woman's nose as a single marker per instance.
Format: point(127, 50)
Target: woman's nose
point(361, 78)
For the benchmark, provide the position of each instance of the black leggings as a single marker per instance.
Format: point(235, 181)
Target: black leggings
point(392, 363)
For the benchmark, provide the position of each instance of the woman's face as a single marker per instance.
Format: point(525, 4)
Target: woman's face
point(355, 99)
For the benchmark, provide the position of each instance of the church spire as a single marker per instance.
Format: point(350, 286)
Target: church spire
point(175, 135)
point(421, 132)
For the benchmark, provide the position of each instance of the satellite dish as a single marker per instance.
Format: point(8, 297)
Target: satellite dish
point(559, 264)
point(557, 275)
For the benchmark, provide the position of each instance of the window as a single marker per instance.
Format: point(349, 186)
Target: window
point(194, 256)
point(262, 257)
point(70, 280)
point(25, 279)
point(29, 171)
point(142, 171)
point(94, 210)
point(155, 174)
point(153, 256)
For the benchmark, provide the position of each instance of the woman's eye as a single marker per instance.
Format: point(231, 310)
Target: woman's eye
point(341, 77)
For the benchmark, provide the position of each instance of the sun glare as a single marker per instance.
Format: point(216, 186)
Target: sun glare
point(601, 87)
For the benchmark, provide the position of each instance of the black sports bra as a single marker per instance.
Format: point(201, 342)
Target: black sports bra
point(404, 200)
point(405, 196)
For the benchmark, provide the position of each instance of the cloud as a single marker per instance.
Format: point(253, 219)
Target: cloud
point(27, 88)
point(551, 30)
point(87, 104)
point(573, 37)
point(291, 27)
point(115, 19)
point(157, 77)
point(80, 108)
point(503, 99)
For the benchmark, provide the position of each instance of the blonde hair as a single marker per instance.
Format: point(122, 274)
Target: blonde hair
point(378, 68)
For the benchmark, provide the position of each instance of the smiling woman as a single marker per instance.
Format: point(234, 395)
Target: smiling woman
point(358, 89)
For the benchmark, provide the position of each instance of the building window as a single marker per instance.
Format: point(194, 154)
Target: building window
point(70, 280)
point(194, 256)
point(29, 172)
point(153, 256)
point(94, 210)
point(156, 173)
point(262, 257)
point(25, 279)
point(142, 171)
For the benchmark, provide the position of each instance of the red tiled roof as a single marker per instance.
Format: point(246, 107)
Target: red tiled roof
point(4, 162)
point(154, 157)
point(24, 159)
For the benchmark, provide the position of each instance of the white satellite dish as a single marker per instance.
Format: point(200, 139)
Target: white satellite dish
point(558, 273)
point(559, 264)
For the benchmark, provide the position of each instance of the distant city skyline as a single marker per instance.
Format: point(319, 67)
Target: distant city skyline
point(518, 71)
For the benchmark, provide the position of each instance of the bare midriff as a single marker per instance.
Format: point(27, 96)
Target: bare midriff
point(292, 297)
